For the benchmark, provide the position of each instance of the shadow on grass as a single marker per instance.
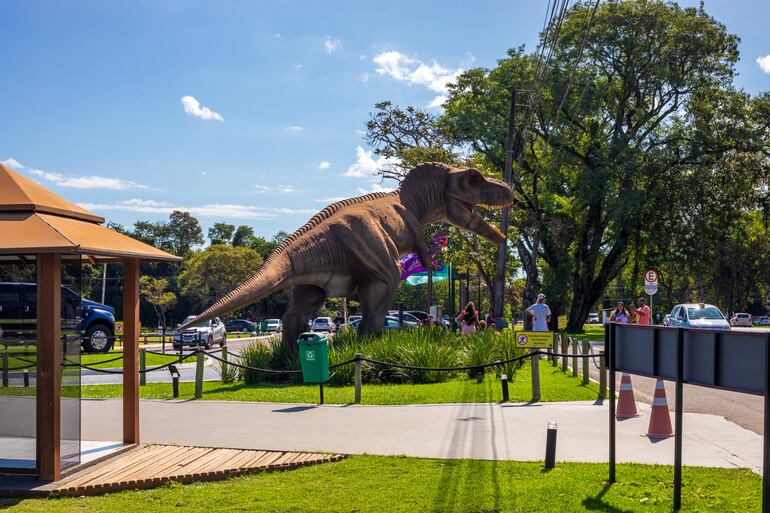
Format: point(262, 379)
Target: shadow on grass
point(597, 502)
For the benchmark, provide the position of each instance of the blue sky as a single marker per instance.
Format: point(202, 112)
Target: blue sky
point(246, 112)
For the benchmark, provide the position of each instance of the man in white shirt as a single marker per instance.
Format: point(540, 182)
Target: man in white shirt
point(540, 314)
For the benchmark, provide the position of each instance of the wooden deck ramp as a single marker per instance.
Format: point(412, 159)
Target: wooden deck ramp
point(153, 465)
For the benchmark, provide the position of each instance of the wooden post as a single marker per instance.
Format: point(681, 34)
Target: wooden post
point(535, 364)
point(200, 359)
point(556, 340)
point(224, 362)
point(586, 351)
point(564, 349)
point(5, 366)
point(131, 329)
point(49, 366)
point(602, 377)
point(574, 357)
point(357, 367)
point(142, 367)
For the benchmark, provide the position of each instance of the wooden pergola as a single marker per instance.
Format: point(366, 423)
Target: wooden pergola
point(38, 225)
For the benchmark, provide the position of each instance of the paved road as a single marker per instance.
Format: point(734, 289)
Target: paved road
point(486, 431)
point(744, 409)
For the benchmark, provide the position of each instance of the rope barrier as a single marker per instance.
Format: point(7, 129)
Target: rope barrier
point(257, 369)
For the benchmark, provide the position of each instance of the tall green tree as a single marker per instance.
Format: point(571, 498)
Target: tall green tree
point(184, 232)
point(221, 233)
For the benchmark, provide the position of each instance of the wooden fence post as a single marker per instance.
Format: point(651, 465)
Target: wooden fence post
point(224, 361)
point(574, 357)
point(357, 368)
point(5, 366)
point(142, 366)
point(602, 378)
point(199, 374)
point(586, 350)
point(565, 341)
point(535, 364)
point(556, 340)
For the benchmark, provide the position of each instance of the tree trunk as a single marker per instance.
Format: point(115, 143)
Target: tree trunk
point(529, 263)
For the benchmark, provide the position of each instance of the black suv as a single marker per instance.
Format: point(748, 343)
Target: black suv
point(18, 316)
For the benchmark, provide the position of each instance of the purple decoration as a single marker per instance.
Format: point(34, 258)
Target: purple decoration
point(410, 264)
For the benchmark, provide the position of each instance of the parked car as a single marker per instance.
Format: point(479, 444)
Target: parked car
point(322, 324)
point(702, 316)
point(665, 319)
point(419, 314)
point(353, 318)
point(408, 318)
point(272, 325)
point(762, 320)
point(204, 334)
point(94, 321)
point(390, 323)
point(593, 318)
point(741, 319)
point(241, 326)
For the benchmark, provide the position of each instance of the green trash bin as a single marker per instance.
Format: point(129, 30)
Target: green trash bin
point(314, 357)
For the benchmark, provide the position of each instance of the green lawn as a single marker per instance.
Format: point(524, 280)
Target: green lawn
point(94, 360)
point(397, 484)
point(555, 386)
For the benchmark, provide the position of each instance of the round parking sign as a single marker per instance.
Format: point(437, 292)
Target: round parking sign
point(650, 277)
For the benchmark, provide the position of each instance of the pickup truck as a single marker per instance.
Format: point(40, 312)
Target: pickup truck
point(94, 321)
point(205, 334)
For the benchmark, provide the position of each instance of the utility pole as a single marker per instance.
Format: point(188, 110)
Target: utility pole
point(502, 251)
point(104, 281)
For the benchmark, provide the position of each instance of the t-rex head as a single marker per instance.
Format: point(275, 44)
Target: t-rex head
point(444, 193)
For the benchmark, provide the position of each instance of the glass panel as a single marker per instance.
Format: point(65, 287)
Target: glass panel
point(71, 316)
point(18, 358)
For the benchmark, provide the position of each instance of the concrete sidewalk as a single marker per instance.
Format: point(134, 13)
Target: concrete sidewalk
point(483, 431)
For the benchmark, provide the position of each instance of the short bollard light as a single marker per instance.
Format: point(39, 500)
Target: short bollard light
point(550, 446)
point(174, 380)
point(504, 381)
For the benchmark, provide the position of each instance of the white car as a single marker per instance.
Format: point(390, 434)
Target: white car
point(272, 325)
point(205, 334)
point(322, 324)
point(408, 318)
point(698, 315)
point(741, 319)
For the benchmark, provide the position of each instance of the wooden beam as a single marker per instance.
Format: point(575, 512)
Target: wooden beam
point(130, 351)
point(49, 366)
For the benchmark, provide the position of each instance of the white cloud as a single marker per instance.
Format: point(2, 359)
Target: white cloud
point(376, 187)
point(76, 182)
point(278, 188)
point(330, 200)
point(331, 45)
point(277, 35)
point(295, 128)
point(366, 165)
point(437, 102)
point(210, 210)
point(403, 68)
point(193, 108)
point(13, 164)
point(325, 164)
point(764, 63)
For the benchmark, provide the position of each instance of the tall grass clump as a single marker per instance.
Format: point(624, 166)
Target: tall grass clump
point(480, 348)
point(509, 349)
point(255, 354)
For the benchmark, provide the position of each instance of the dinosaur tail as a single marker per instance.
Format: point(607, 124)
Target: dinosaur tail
point(274, 275)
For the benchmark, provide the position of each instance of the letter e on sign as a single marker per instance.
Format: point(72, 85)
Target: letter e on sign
point(650, 277)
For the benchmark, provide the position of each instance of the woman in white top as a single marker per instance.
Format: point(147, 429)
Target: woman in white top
point(620, 315)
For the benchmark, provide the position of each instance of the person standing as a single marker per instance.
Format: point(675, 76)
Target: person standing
point(491, 320)
point(468, 319)
point(540, 314)
point(620, 315)
point(642, 312)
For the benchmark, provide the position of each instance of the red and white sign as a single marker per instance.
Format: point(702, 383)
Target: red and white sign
point(650, 277)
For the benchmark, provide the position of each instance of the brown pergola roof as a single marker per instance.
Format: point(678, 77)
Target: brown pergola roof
point(35, 220)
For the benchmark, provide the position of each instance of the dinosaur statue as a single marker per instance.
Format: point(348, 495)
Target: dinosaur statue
point(355, 245)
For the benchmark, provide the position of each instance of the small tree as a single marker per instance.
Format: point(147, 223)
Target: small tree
point(154, 291)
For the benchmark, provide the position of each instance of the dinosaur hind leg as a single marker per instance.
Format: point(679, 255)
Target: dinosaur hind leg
point(375, 298)
point(305, 301)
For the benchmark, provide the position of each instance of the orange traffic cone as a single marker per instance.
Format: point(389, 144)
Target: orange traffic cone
point(626, 405)
point(660, 419)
